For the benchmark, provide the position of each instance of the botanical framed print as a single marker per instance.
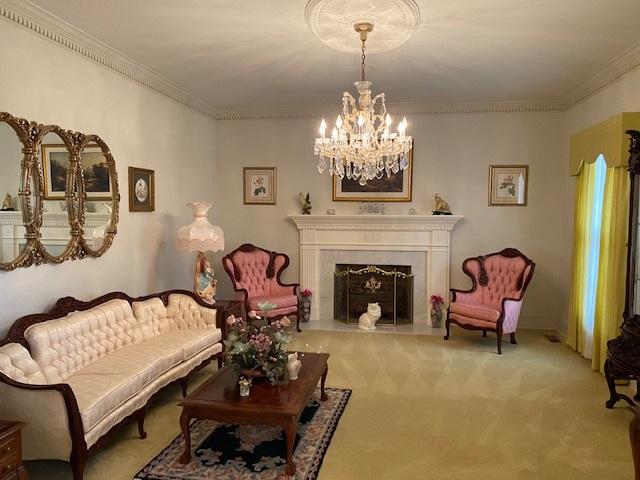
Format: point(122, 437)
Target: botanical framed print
point(396, 188)
point(260, 185)
point(508, 185)
point(97, 180)
point(141, 190)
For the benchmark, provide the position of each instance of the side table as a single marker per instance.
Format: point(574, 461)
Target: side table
point(11, 467)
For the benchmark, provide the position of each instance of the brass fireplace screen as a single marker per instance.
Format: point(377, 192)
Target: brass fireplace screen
point(391, 286)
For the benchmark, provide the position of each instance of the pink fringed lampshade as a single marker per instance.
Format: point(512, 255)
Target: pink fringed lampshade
point(200, 235)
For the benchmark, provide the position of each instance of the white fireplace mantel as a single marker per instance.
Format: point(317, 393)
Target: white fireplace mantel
point(428, 235)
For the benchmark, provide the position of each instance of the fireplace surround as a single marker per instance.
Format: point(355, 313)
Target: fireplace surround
point(422, 241)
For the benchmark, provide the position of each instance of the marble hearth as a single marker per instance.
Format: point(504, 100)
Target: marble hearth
point(421, 241)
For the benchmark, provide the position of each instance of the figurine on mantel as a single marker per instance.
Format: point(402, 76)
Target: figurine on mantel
point(440, 206)
point(305, 203)
point(7, 203)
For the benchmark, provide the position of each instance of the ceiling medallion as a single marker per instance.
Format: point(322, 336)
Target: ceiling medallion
point(332, 22)
point(361, 146)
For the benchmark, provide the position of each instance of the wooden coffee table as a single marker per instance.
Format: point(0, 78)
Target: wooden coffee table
point(281, 405)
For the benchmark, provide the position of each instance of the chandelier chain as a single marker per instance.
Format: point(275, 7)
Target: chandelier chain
point(364, 56)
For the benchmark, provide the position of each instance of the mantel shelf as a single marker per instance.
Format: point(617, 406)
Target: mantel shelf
point(376, 222)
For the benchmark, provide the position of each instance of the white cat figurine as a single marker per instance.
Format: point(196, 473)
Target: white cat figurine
point(293, 366)
point(370, 317)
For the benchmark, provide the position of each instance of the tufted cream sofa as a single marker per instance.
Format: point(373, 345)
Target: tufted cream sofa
point(85, 368)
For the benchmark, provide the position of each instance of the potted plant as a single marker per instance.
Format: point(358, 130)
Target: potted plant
point(305, 304)
point(258, 349)
point(436, 310)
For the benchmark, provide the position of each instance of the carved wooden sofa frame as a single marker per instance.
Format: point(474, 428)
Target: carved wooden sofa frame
point(483, 281)
point(66, 305)
point(271, 273)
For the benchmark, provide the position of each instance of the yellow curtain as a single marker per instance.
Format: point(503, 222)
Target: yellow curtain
point(610, 290)
point(581, 228)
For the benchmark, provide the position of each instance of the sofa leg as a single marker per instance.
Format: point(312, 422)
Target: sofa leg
point(78, 460)
point(141, 414)
point(184, 383)
point(446, 324)
point(484, 333)
point(513, 338)
point(499, 333)
point(219, 361)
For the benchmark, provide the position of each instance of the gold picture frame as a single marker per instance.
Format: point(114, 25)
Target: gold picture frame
point(260, 185)
point(141, 190)
point(508, 185)
point(397, 188)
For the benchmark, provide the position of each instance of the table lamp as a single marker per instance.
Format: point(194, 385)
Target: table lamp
point(200, 236)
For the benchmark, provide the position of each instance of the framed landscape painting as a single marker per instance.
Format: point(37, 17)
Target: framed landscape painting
point(55, 161)
point(508, 185)
point(396, 188)
point(260, 185)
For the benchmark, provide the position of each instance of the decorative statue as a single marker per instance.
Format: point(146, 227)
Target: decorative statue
point(370, 317)
point(305, 203)
point(440, 206)
point(293, 366)
point(7, 203)
point(205, 283)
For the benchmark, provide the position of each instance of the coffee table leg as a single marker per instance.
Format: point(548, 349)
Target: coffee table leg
point(184, 424)
point(323, 395)
point(290, 432)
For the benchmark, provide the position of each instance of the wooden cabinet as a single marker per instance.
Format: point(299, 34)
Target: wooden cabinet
point(11, 467)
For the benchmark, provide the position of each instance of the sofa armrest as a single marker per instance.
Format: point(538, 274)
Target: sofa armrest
point(55, 430)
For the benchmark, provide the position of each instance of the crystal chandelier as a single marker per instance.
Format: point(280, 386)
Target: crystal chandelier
point(361, 146)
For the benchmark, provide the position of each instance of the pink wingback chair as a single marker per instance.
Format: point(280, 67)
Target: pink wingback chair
point(493, 303)
point(255, 273)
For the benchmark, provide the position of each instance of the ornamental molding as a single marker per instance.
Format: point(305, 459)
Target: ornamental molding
point(45, 24)
point(382, 223)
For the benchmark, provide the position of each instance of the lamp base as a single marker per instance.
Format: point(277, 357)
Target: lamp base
point(204, 283)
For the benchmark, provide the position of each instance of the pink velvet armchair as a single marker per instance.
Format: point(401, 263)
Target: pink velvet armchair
point(493, 303)
point(255, 273)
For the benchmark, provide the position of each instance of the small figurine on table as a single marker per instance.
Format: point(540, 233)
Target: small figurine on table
point(305, 203)
point(440, 206)
point(7, 203)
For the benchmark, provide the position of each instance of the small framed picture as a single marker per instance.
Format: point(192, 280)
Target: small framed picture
point(55, 161)
point(260, 186)
point(141, 190)
point(508, 185)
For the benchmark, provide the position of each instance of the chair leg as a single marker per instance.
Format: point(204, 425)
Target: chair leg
point(513, 338)
point(499, 334)
point(298, 321)
point(446, 324)
point(484, 333)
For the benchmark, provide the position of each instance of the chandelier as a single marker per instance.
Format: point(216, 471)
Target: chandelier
point(361, 145)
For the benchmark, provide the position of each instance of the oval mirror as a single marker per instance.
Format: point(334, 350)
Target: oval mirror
point(101, 197)
point(60, 229)
point(14, 213)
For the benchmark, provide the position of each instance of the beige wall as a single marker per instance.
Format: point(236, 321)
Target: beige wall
point(43, 82)
point(452, 157)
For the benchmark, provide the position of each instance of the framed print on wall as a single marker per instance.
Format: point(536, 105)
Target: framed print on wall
point(141, 190)
point(396, 188)
point(508, 185)
point(260, 185)
point(97, 180)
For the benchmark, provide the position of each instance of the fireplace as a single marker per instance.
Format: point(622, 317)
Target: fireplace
point(391, 286)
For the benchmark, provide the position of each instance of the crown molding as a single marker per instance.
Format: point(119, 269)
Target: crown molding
point(628, 61)
point(56, 30)
point(275, 113)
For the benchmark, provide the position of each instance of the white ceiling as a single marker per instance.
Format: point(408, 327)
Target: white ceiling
point(261, 53)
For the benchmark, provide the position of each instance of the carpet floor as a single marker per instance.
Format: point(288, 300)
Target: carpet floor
point(423, 408)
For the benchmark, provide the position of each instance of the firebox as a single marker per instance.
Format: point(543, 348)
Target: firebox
point(391, 286)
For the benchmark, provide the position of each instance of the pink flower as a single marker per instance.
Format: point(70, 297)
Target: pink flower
point(306, 292)
point(436, 300)
point(285, 321)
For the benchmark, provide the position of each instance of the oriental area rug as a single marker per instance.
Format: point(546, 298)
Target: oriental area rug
point(252, 452)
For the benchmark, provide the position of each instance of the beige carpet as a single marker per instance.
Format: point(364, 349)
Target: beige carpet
point(423, 408)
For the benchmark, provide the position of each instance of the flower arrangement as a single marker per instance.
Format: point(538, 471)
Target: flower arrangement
point(306, 292)
point(258, 347)
point(436, 301)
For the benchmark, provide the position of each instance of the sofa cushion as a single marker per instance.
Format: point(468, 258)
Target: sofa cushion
point(151, 315)
point(481, 312)
point(109, 382)
point(68, 344)
point(282, 301)
point(17, 364)
point(184, 312)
